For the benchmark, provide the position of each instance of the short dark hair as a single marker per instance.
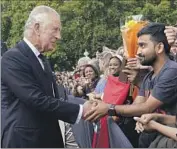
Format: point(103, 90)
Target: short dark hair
point(156, 30)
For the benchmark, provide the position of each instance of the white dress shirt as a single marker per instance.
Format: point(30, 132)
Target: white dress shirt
point(37, 53)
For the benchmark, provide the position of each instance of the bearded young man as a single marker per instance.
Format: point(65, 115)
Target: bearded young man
point(159, 87)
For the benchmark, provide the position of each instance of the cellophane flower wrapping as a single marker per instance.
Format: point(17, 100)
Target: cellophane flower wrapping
point(129, 34)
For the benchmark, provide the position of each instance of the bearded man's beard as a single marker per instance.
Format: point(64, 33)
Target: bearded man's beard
point(147, 61)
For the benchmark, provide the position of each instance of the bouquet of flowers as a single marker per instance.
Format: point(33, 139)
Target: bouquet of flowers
point(129, 34)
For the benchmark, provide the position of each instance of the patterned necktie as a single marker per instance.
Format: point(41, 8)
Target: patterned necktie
point(48, 71)
point(47, 68)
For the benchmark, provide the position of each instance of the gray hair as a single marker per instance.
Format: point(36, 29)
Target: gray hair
point(120, 51)
point(38, 15)
point(83, 61)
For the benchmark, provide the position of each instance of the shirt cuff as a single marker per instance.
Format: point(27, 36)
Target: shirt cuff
point(80, 114)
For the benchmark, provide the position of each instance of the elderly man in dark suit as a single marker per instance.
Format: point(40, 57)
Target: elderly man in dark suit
point(30, 106)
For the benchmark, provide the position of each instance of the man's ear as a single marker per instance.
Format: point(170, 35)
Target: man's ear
point(160, 48)
point(36, 28)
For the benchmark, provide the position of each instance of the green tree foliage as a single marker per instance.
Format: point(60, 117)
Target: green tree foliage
point(86, 24)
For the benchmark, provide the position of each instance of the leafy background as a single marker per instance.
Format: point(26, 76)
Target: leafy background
point(86, 24)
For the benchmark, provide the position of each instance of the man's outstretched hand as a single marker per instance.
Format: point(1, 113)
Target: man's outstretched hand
point(98, 110)
point(87, 106)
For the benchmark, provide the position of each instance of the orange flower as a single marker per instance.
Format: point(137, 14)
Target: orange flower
point(129, 34)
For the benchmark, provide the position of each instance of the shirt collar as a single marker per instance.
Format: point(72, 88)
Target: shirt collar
point(35, 51)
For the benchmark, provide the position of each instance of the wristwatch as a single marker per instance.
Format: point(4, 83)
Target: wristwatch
point(112, 111)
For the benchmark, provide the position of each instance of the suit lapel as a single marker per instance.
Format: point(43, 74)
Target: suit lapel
point(25, 49)
point(38, 70)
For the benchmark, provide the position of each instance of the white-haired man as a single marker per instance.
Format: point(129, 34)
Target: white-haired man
point(30, 102)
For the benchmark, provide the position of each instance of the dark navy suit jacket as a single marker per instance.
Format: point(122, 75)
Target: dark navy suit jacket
point(29, 110)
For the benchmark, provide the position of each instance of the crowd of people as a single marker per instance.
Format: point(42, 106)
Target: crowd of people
point(91, 77)
point(109, 101)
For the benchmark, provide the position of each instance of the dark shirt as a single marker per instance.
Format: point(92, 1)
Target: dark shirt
point(163, 86)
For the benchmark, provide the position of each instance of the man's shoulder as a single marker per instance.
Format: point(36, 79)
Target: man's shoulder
point(169, 69)
point(12, 52)
point(13, 55)
point(19, 49)
point(171, 64)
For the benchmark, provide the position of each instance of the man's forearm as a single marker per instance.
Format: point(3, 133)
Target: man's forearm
point(132, 110)
point(148, 106)
point(165, 119)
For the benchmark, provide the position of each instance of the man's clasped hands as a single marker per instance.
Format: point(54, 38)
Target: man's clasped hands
point(94, 108)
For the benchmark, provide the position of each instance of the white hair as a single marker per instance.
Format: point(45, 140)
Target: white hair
point(38, 14)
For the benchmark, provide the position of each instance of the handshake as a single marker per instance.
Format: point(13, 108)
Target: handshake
point(94, 108)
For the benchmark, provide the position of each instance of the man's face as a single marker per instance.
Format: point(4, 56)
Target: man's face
point(146, 50)
point(49, 33)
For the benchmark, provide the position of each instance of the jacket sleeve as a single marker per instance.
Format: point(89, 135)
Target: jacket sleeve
point(20, 80)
